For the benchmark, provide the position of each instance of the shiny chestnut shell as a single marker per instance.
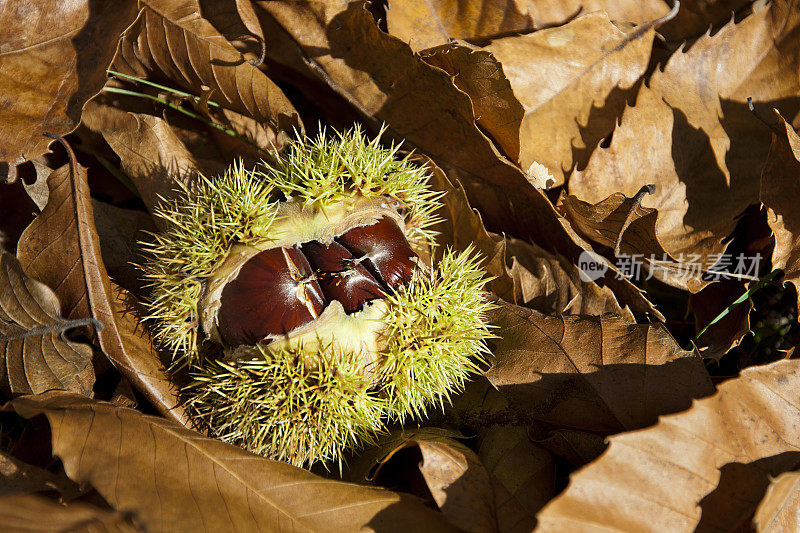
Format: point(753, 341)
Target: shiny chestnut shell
point(273, 293)
point(384, 249)
point(341, 276)
point(281, 289)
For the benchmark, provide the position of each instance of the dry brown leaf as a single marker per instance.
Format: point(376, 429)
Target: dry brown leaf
point(120, 232)
point(610, 220)
point(697, 16)
point(577, 447)
point(172, 39)
point(692, 135)
point(524, 469)
point(442, 469)
point(151, 153)
point(476, 72)
point(459, 483)
point(61, 249)
point(19, 477)
point(665, 478)
point(549, 283)
point(548, 13)
point(571, 81)
point(552, 284)
point(780, 193)
point(31, 513)
point(247, 13)
point(624, 225)
point(435, 22)
point(53, 58)
point(37, 190)
point(173, 479)
point(427, 24)
point(35, 356)
point(599, 374)
point(779, 511)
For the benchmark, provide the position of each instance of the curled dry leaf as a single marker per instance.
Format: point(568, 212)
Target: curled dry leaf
point(663, 478)
point(31, 513)
point(62, 249)
point(451, 473)
point(427, 24)
point(552, 284)
point(466, 492)
point(600, 374)
point(173, 479)
point(571, 81)
point(779, 511)
point(780, 193)
point(476, 72)
point(52, 60)
point(703, 148)
point(35, 355)
point(546, 282)
point(608, 221)
point(247, 14)
point(37, 190)
point(459, 483)
point(624, 225)
point(172, 40)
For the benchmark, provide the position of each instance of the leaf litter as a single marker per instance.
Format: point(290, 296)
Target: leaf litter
point(627, 171)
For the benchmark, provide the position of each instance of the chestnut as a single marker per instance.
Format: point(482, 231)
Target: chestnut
point(341, 276)
point(273, 293)
point(385, 250)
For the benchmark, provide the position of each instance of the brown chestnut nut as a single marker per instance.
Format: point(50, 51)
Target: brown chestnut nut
point(273, 293)
point(385, 249)
point(341, 276)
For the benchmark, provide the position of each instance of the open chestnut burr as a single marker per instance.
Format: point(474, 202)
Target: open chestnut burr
point(309, 301)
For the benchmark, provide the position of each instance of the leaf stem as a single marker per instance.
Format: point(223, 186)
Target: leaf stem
point(158, 86)
point(180, 109)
